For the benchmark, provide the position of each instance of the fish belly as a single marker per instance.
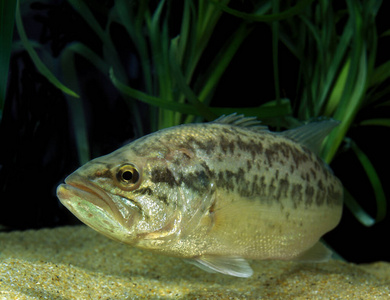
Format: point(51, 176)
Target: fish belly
point(267, 231)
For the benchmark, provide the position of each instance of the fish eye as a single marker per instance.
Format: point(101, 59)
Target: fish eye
point(128, 175)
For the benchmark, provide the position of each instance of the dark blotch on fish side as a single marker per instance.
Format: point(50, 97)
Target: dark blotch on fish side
point(226, 145)
point(271, 155)
point(296, 194)
point(210, 173)
point(253, 147)
point(309, 193)
point(333, 196)
point(283, 188)
point(163, 175)
point(207, 145)
point(197, 181)
point(163, 198)
point(286, 151)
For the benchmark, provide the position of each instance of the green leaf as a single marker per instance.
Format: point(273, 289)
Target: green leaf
point(183, 86)
point(41, 67)
point(266, 18)
point(7, 13)
point(219, 65)
point(87, 54)
point(133, 24)
point(151, 100)
point(268, 110)
point(386, 33)
point(359, 213)
point(337, 92)
point(350, 103)
point(82, 8)
point(373, 178)
point(76, 106)
point(380, 74)
point(377, 122)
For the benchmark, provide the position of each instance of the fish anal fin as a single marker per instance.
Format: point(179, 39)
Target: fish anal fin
point(228, 265)
point(317, 253)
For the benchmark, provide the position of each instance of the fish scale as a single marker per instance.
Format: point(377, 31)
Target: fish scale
point(216, 193)
point(247, 176)
point(283, 175)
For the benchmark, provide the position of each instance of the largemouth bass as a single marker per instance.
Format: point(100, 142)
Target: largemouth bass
point(216, 193)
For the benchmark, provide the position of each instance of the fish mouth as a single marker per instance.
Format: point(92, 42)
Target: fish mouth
point(78, 188)
point(95, 207)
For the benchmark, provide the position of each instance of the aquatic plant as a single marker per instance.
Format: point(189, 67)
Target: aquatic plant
point(7, 12)
point(335, 45)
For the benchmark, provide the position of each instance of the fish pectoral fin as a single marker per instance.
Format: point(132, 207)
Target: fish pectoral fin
point(317, 253)
point(230, 265)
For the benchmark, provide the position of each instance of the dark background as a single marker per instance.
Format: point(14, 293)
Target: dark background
point(38, 148)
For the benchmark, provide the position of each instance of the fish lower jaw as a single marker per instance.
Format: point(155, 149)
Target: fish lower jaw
point(95, 212)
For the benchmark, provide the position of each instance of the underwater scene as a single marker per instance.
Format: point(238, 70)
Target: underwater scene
point(208, 149)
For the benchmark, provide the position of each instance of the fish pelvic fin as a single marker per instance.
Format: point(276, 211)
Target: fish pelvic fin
point(317, 253)
point(230, 265)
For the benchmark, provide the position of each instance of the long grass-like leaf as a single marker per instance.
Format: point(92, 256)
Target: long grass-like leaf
point(374, 180)
point(386, 33)
point(348, 108)
point(82, 8)
point(76, 107)
point(7, 13)
point(35, 58)
point(332, 70)
point(380, 74)
point(204, 24)
point(266, 18)
point(182, 84)
point(337, 92)
point(360, 214)
point(267, 110)
point(133, 23)
point(355, 85)
point(270, 110)
point(377, 122)
point(151, 100)
point(89, 55)
point(221, 62)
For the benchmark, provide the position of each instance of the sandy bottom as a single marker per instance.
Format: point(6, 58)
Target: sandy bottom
point(78, 263)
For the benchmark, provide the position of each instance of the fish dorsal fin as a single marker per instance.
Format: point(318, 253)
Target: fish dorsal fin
point(241, 120)
point(229, 265)
point(312, 134)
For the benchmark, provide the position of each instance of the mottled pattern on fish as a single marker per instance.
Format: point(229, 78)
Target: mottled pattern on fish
point(219, 190)
point(248, 163)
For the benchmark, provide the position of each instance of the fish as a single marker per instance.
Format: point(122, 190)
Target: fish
point(215, 194)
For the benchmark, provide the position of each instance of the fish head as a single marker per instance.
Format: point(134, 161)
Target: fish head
point(124, 195)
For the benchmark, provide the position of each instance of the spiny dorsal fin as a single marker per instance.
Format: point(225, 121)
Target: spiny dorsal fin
point(241, 120)
point(312, 134)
